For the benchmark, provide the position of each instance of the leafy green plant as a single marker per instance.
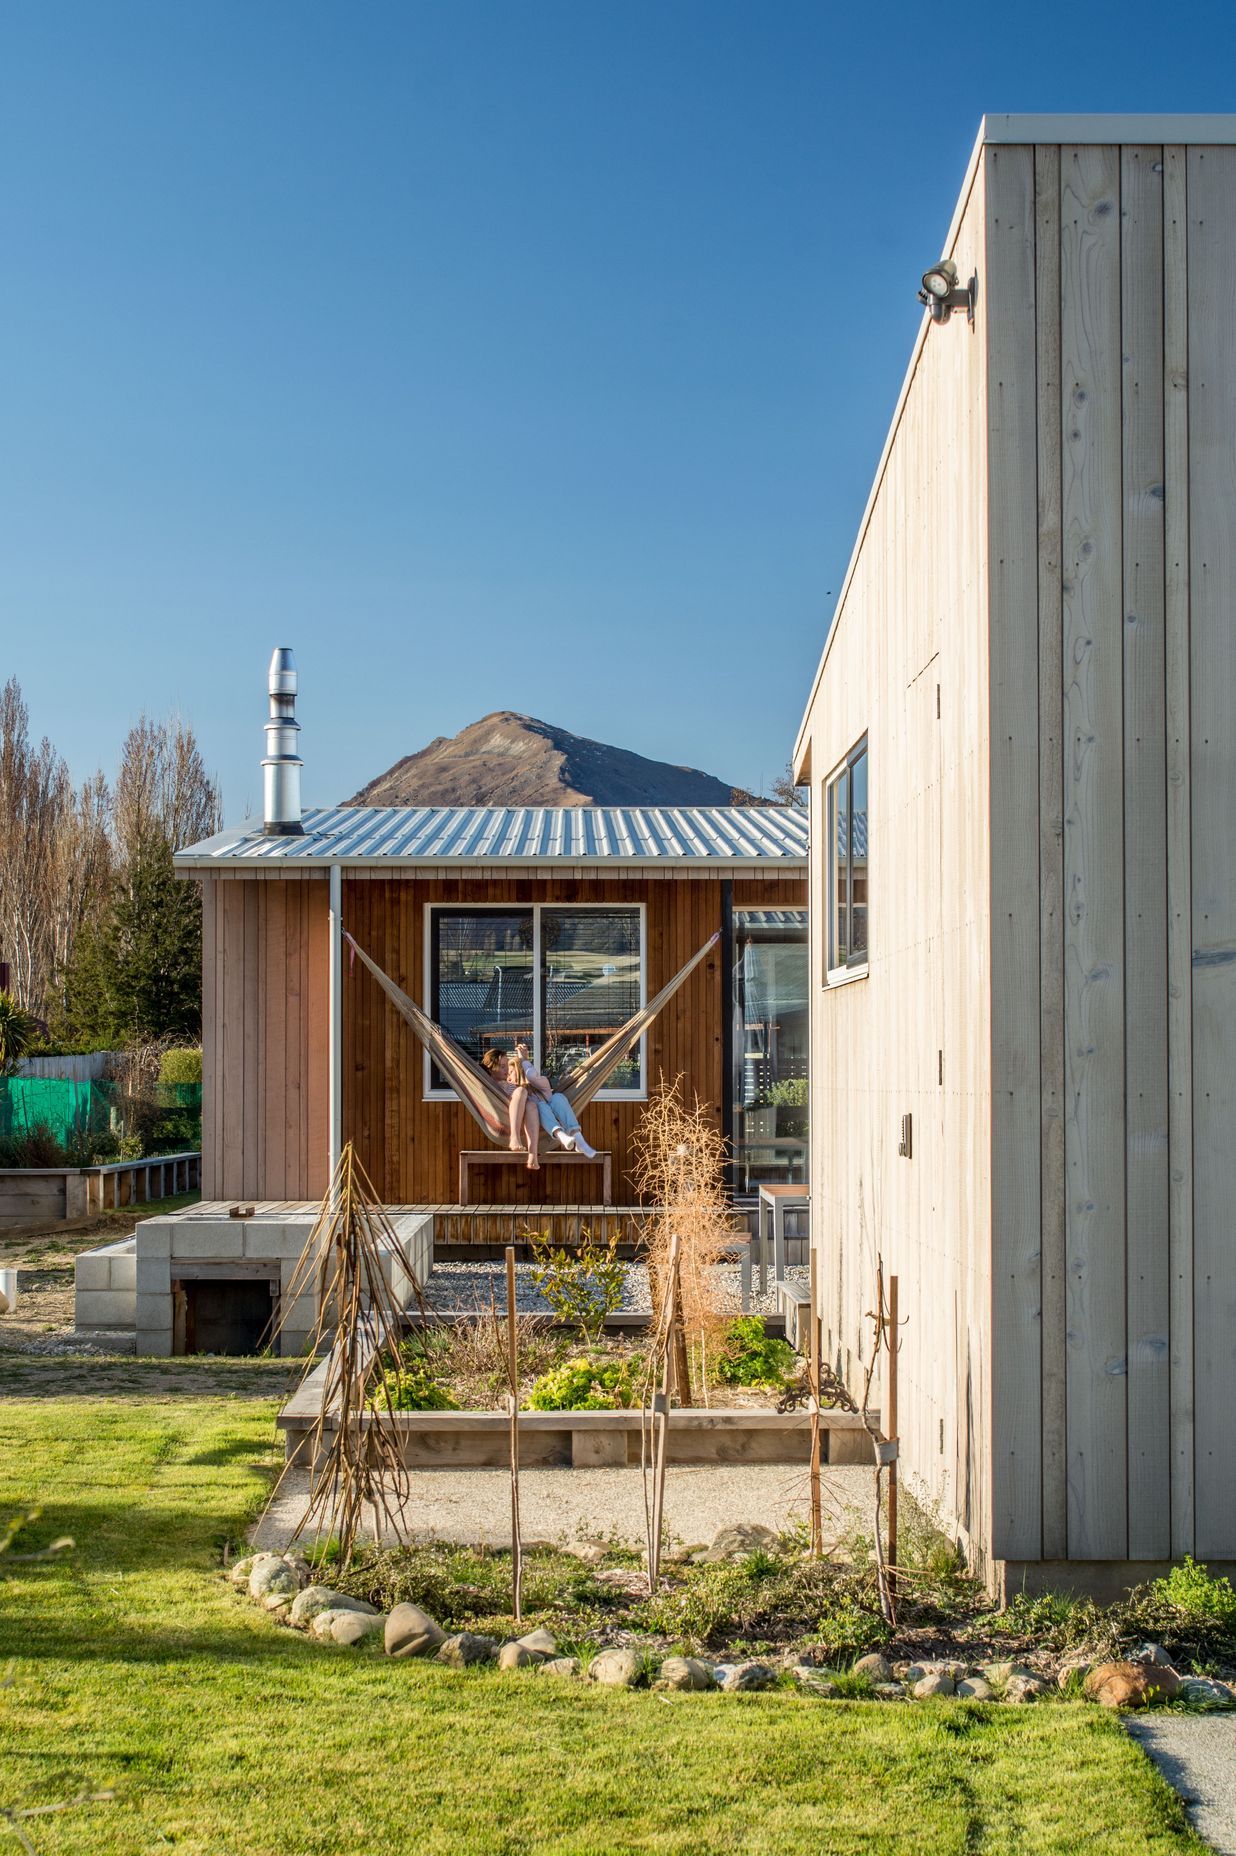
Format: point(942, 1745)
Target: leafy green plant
point(415, 1387)
point(582, 1285)
point(750, 1357)
point(588, 1384)
point(18, 1030)
point(1190, 1590)
point(182, 1064)
point(791, 1093)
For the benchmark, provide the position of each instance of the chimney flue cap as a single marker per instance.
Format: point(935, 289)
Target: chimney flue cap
point(281, 680)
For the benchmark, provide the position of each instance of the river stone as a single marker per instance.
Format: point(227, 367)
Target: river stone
point(744, 1676)
point(323, 1623)
point(1071, 1666)
point(1204, 1692)
point(1000, 1673)
point(238, 1572)
point(684, 1672)
point(315, 1598)
point(973, 1688)
point(1151, 1653)
point(465, 1648)
point(516, 1656)
point(889, 1691)
point(1130, 1685)
point(941, 1684)
point(614, 1668)
point(591, 1552)
point(272, 1577)
point(875, 1667)
point(918, 1672)
point(539, 1642)
point(559, 1666)
point(1025, 1688)
point(412, 1632)
point(809, 1677)
point(351, 1626)
point(739, 1539)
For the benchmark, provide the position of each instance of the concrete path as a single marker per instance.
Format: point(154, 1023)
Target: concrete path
point(472, 1506)
point(1196, 1753)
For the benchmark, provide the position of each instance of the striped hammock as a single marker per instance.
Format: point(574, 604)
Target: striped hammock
point(476, 1089)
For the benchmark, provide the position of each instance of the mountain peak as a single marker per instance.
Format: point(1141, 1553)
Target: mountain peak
point(512, 759)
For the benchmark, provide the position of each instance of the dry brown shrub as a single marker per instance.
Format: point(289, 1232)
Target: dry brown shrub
point(680, 1162)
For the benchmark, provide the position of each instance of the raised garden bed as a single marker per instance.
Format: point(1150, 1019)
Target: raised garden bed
point(589, 1439)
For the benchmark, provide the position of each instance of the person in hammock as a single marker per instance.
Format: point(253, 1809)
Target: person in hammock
point(525, 1123)
point(558, 1118)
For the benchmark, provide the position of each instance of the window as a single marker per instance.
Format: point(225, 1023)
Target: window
point(590, 986)
point(560, 979)
point(846, 914)
point(481, 979)
point(770, 1047)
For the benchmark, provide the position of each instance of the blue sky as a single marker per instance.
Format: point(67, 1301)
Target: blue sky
point(487, 354)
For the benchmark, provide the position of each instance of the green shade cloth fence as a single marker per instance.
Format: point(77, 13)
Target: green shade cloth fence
point(168, 1116)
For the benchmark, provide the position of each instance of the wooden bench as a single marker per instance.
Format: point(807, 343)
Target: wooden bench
point(496, 1156)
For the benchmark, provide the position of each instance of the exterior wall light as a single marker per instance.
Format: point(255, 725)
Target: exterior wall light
point(942, 293)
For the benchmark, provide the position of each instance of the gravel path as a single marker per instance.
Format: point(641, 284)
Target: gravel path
point(1197, 1755)
point(472, 1506)
point(456, 1287)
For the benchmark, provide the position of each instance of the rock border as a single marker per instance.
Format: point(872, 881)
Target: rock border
point(283, 1585)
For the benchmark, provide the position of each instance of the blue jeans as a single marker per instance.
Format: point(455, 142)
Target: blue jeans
point(556, 1113)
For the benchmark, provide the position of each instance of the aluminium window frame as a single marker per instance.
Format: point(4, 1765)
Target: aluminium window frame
point(430, 909)
point(855, 966)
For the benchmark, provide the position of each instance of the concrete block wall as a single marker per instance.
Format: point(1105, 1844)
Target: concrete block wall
point(128, 1285)
point(105, 1287)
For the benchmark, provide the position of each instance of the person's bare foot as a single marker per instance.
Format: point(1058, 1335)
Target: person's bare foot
point(534, 1165)
point(514, 1146)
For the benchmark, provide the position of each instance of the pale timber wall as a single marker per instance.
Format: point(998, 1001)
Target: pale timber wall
point(907, 666)
point(264, 1037)
point(1111, 1428)
point(1102, 1181)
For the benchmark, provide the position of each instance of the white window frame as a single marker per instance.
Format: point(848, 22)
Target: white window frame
point(853, 970)
point(430, 1094)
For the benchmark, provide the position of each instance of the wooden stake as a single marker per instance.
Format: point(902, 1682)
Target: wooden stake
point(894, 1343)
point(813, 1368)
point(661, 1408)
point(682, 1369)
point(512, 1339)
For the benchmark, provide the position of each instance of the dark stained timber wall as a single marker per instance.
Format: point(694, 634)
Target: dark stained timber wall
point(411, 1145)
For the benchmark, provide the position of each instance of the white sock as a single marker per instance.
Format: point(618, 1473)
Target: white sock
point(582, 1147)
point(564, 1139)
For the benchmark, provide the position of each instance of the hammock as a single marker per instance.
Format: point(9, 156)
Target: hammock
point(475, 1087)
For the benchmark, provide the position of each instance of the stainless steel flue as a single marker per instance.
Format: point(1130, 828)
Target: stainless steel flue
point(282, 765)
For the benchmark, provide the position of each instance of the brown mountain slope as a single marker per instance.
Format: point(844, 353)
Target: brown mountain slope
point(514, 760)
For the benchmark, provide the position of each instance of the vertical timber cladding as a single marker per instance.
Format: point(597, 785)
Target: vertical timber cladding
point(1211, 186)
point(1132, 267)
point(264, 1037)
point(411, 1146)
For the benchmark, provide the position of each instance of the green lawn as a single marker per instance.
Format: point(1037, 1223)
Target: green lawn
point(137, 1668)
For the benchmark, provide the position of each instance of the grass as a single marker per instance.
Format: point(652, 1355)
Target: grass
point(137, 1668)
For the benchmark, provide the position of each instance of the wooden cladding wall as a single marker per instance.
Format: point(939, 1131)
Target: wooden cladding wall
point(411, 1146)
point(1114, 1138)
point(907, 668)
point(264, 1038)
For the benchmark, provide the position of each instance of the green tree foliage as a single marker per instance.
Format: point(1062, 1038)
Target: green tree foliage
point(137, 973)
point(18, 1031)
point(181, 1066)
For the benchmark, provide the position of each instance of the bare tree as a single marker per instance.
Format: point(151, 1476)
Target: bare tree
point(163, 792)
point(35, 794)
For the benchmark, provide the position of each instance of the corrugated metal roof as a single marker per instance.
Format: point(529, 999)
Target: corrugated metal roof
point(524, 835)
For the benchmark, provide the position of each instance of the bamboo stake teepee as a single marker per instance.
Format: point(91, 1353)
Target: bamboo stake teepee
point(355, 1460)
